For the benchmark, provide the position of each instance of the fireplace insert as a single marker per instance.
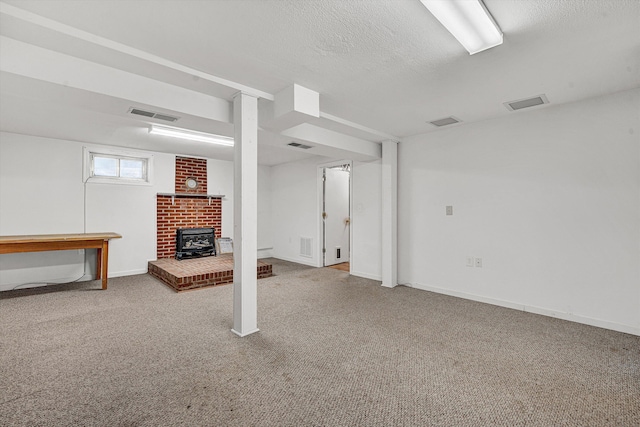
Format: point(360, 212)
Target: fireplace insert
point(195, 242)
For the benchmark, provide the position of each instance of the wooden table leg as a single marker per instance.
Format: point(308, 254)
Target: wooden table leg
point(105, 263)
point(99, 263)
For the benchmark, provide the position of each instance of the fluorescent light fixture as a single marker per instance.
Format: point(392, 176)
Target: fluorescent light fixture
point(469, 21)
point(190, 135)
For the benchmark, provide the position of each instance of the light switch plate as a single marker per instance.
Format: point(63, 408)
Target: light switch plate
point(449, 210)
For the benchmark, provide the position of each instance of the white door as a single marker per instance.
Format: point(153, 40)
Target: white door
point(336, 216)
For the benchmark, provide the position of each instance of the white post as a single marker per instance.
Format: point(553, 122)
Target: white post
point(389, 213)
point(245, 215)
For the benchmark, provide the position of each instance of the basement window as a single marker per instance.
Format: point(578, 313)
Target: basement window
point(113, 166)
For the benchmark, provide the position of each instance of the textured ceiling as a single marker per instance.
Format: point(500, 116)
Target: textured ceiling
point(384, 64)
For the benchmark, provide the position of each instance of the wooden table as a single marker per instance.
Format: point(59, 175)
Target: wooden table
point(63, 242)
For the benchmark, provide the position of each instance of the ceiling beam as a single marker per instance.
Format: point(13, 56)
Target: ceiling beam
point(355, 148)
point(122, 48)
point(42, 64)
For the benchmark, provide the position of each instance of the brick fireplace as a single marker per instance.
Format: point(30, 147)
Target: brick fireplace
point(188, 207)
point(191, 207)
point(182, 211)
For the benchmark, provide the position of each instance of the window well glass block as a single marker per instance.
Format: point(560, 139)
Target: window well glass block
point(105, 166)
point(130, 168)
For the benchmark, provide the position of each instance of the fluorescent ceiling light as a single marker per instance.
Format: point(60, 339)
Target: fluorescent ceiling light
point(190, 135)
point(469, 21)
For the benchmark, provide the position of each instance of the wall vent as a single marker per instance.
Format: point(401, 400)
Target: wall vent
point(305, 247)
point(445, 122)
point(526, 103)
point(298, 145)
point(153, 115)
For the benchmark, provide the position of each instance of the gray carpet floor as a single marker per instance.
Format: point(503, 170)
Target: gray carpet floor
point(333, 350)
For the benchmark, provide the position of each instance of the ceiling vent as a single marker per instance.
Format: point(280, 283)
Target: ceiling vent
point(153, 115)
point(526, 103)
point(445, 122)
point(298, 145)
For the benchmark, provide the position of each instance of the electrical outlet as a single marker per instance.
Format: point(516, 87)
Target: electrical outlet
point(449, 210)
point(478, 262)
point(470, 262)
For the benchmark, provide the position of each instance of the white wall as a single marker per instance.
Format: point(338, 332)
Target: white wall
point(366, 247)
point(41, 192)
point(548, 198)
point(265, 231)
point(296, 213)
point(52, 200)
point(129, 210)
point(220, 181)
point(295, 210)
point(37, 196)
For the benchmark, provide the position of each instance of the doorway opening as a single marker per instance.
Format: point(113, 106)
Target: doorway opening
point(336, 215)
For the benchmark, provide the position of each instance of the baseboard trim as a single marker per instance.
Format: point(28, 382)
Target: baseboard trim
point(128, 272)
point(297, 261)
point(41, 283)
point(618, 327)
point(242, 335)
point(265, 253)
point(18, 286)
point(366, 276)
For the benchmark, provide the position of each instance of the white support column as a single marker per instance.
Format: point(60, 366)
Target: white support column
point(245, 215)
point(389, 213)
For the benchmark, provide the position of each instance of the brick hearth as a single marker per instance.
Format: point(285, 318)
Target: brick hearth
point(199, 272)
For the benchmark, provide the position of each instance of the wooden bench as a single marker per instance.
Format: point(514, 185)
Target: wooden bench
point(64, 242)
